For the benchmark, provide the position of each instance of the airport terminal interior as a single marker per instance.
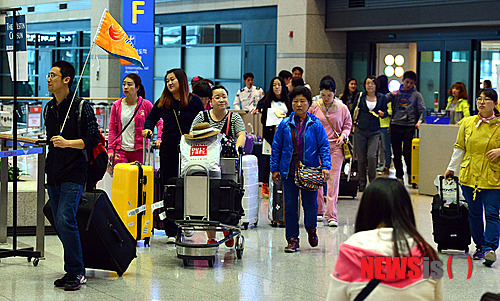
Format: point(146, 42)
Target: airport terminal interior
point(265, 272)
point(443, 41)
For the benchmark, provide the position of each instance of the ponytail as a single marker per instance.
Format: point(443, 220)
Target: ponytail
point(141, 92)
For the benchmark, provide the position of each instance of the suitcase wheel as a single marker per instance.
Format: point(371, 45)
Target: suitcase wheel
point(245, 226)
point(239, 253)
point(36, 261)
point(211, 262)
point(440, 250)
point(147, 242)
point(185, 262)
point(273, 224)
point(255, 224)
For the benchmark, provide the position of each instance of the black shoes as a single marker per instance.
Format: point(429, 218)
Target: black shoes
point(71, 282)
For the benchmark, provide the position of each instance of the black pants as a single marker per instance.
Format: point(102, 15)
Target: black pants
point(401, 137)
point(267, 168)
point(169, 168)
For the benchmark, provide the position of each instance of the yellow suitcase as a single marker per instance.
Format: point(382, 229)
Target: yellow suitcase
point(132, 196)
point(414, 161)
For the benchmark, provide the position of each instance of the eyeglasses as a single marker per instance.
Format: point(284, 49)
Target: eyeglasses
point(483, 100)
point(217, 98)
point(52, 75)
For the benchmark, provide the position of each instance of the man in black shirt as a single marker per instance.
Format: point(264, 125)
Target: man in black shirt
point(66, 165)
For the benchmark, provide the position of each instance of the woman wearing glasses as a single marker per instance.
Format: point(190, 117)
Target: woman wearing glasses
point(177, 107)
point(228, 123)
point(476, 156)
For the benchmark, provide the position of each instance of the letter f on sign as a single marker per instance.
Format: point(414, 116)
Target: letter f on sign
point(136, 11)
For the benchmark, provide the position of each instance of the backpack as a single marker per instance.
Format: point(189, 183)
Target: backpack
point(97, 157)
point(228, 143)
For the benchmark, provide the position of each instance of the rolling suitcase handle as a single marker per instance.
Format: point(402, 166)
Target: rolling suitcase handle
point(455, 179)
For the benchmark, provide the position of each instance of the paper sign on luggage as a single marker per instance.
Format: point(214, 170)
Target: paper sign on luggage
point(136, 210)
point(156, 205)
point(198, 151)
point(163, 216)
point(145, 230)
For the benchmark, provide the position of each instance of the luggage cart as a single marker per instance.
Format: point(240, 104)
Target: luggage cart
point(197, 218)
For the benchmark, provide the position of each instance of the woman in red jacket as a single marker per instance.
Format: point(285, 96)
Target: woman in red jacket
point(127, 122)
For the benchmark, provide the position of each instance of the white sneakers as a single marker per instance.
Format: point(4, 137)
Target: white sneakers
point(333, 223)
point(320, 218)
point(170, 239)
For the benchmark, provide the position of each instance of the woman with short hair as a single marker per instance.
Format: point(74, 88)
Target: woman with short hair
point(312, 147)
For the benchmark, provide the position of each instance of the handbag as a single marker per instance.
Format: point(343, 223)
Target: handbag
point(308, 178)
point(346, 146)
point(228, 144)
point(355, 116)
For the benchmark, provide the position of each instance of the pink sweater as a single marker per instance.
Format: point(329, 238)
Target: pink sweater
point(115, 124)
point(341, 120)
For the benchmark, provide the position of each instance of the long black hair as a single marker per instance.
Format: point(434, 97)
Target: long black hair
point(386, 203)
point(346, 92)
point(270, 96)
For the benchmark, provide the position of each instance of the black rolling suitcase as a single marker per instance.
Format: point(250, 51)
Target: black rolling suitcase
point(106, 242)
point(225, 200)
point(349, 179)
point(450, 225)
point(276, 204)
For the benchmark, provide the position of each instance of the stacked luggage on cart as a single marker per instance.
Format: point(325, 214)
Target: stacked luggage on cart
point(201, 201)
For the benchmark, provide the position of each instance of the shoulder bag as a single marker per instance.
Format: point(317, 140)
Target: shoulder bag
point(355, 116)
point(346, 146)
point(309, 178)
point(228, 143)
point(111, 164)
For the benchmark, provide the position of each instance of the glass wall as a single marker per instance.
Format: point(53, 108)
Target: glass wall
point(43, 50)
point(212, 51)
point(490, 62)
point(359, 67)
point(429, 72)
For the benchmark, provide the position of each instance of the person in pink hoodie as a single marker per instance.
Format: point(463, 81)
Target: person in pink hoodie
point(385, 234)
point(331, 111)
point(132, 109)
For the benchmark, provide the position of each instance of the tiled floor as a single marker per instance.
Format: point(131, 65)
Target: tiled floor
point(264, 273)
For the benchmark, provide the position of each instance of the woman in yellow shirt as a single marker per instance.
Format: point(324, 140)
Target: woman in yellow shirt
point(457, 102)
point(477, 157)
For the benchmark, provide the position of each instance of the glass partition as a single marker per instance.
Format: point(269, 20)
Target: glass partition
point(429, 73)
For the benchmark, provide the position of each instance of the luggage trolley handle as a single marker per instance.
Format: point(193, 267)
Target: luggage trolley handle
point(145, 152)
point(240, 166)
point(207, 173)
point(455, 179)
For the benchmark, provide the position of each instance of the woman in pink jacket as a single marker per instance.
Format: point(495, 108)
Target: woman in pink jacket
point(132, 110)
point(331, 111)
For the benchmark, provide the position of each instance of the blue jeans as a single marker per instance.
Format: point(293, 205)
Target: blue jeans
point(309, 203)
point(64, 200)
point(490, 199)
point(386, 143)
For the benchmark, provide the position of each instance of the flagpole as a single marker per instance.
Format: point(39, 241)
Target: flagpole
point(83, 69)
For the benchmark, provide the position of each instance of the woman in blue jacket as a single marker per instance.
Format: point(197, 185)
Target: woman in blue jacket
point(312, 148)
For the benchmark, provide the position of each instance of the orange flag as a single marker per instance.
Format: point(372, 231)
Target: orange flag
point(112, 38)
